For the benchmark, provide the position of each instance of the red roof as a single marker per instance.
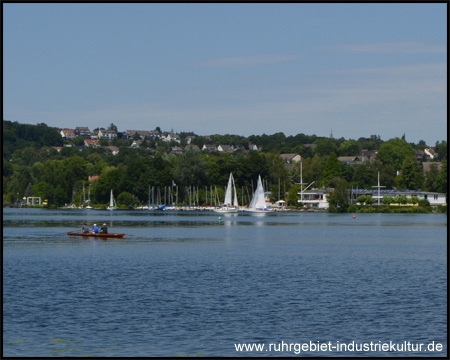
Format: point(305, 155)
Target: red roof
point(93, 178)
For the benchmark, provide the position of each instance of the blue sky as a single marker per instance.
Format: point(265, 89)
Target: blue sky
point(247, 69)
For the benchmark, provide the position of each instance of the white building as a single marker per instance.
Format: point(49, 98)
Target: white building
point(315, 198)
point(433, 198)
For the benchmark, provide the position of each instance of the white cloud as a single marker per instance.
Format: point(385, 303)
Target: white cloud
point(248, 61)
point(391, 48)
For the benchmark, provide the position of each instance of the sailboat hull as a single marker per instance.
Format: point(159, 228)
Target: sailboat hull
point(226, 210)
point(258, 211)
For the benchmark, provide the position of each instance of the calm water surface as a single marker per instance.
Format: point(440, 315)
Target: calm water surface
point(190, 284)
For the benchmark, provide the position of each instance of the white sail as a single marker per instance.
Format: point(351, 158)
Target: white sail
point(258, 203)
point(230, 204)
point(112, 202)
point(227, 201)
point(235, 200)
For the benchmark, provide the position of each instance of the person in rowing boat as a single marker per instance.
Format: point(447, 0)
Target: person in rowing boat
point(85, 229)
point(104, 229)
point(95, 229)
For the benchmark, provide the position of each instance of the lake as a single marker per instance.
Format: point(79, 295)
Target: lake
point(191, 284)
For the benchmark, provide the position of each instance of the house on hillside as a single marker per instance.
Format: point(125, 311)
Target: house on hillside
point(142, 134)
point(189, 139)
point(419, 155)
point(107, 134)
point(192, 147)
point(68, 134)
point(368, 155)
point(92, 143)
point(136, 144)
point(209, 147)
point(177, 150)
point(254, 147)
point(225, 148)
point(83, 132)
point(167, 137)
point(114, 149)
point(429, 152)
point(291, 158)
point(350, 160)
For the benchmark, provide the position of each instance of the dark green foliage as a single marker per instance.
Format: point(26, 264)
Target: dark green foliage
point(32, 166)
point(338, 199)
point(411, 175)
point(18, 136)
point(326, 147)
point(441, 149)
point(349, 148)
point(394, 152)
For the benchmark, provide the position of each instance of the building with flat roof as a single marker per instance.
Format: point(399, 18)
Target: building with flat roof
point(433, 198)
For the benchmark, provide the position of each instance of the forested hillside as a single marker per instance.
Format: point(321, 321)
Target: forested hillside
point(32, 166)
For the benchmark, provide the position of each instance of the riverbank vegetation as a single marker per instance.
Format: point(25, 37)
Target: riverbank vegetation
point(37, 161)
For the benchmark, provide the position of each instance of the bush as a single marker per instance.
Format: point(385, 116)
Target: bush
point(352, 209)
point(401, 199)
point(424, 203)
point(442, 209)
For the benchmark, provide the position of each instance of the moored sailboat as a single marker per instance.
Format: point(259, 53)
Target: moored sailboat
point(258, 203)
point(112, 202)
point(230, 204)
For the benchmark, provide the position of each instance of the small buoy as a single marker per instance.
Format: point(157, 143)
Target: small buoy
point(354, 216)
point(220, 218)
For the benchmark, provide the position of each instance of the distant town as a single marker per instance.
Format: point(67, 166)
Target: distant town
point(301, 171)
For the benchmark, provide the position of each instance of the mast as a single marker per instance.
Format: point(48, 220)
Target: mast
point(301, 181)
point(378, 186)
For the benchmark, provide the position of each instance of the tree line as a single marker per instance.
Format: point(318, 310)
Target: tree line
point(33, 167)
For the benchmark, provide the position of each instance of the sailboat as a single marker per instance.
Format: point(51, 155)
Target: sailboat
point(230, 204)
point(258, 203)
point(88, 201)
point(112, 202)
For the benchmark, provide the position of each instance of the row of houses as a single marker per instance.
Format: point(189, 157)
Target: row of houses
point(95, 143)
point(206, 147)
point(369, 155)
point(102, 133)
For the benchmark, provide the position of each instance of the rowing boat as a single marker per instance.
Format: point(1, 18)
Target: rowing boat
point(96, 235)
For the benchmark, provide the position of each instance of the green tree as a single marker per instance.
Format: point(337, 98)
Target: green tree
point(394, 152)
point(326, 146)
point(191, 169)
point(338, 199)
point(112, 127)
point(387, 200)
point(431, 178)
point(349, 148)
point(331, 170)
point(109, 180)
point(411, 175)
point(293, 195)
point(441, 149)
point(441, 181)
point(78, 141)
point(125, 199)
